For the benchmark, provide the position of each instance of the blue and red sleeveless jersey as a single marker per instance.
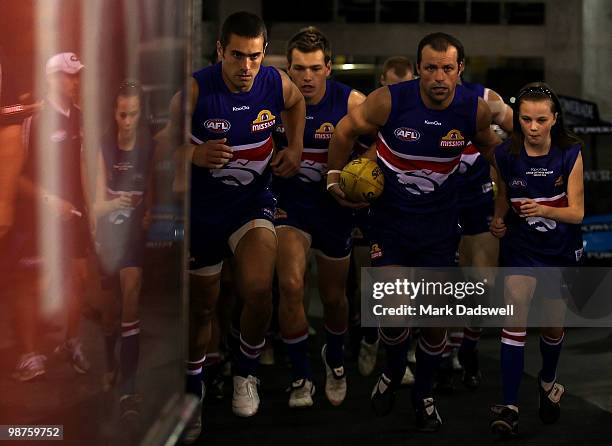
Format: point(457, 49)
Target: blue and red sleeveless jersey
point(543, 179)
point(321, 120)
point(419, 149)
point(127, 172)
point(247, 120)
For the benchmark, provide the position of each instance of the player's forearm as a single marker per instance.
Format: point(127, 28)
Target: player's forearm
point(103, 207)
point(501, 206)
point(570, 214)
point(340, 146)
point(295, 120)
point(183, 158)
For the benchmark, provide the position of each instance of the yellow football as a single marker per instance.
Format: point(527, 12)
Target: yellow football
point(362, 180)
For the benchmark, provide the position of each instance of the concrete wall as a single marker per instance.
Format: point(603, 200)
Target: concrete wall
point(390, 38)
point(574, 43)
point(563, 50)
point(597, 59)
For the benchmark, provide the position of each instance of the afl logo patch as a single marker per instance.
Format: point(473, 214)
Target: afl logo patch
point(217, 125)
point(406, 134)
point(517, 183)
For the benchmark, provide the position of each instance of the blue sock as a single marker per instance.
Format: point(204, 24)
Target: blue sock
point(233, 342)
point(512, 363)
point(550, 349)
point(128, 356)
point(334, 352)
point(297, 350)
point(397, 343)
point(247, 360)
point(427, 362)
point(470, 340)
point(193, 381)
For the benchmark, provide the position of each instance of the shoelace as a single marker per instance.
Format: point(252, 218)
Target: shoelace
point(251, 384)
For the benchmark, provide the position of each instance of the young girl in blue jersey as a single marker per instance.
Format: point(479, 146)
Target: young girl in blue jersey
point(122, 209)
point(538, 212)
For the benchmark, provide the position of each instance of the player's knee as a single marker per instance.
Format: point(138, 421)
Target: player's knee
point(201, 313)
point(333, 292)
point(291, 288)
point(553, 332)
point(334, 301)
point(258, 291)
point(519, 298)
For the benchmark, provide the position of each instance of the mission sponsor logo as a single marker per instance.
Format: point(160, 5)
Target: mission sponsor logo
point(325, 131)
point(217, 125)
point(407, 134)
point(265, 119)
point(375, 251)
point(453, 139)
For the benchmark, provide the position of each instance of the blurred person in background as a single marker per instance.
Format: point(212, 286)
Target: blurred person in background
point(122, 215)
point(15, 279)
point(53, 182)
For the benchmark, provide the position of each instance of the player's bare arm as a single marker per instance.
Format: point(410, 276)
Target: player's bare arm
point(501, 113)
point(485, 139)
point(574, 212)
point(498, 227)
point(355, 99)
point(212, 154)
point(286, 162)
point(363, 119)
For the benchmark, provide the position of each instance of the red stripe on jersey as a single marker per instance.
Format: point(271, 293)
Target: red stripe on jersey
point(560, 202)
point(410, 165)
point(255, 154)
point(470, 149)
point(317, 157)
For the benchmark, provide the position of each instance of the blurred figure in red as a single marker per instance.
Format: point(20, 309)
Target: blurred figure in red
point(53, 183)
point(14, 277)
